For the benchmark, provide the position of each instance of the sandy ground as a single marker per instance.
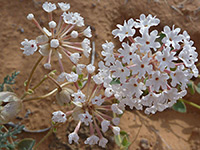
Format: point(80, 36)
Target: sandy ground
point(168, 130)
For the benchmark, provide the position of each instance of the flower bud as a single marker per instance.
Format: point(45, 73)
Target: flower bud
point(10, 106)
point(30, 16)
point(63, 97)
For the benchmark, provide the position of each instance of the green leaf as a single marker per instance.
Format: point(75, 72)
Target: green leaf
point(180, 107)
point(9, 80)
point(161, 36)
point(26, 144)
point(191, 87)
point(115, 81)
point(125, 142)
point(197, 88)
point(122, 140)
point(80, 84)
point(80, 76)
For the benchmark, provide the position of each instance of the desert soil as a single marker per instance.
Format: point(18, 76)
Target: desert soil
point(168, 130)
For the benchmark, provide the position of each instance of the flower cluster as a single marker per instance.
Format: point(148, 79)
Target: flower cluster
point(59, 38)
point(92, 108)
point(152, 70)
point(149, 71)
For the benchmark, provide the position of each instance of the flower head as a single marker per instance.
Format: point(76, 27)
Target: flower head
point(59, 117)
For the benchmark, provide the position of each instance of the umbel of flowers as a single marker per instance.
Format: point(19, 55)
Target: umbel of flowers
point(58, 38)
point(152, 69)
point(94, 108)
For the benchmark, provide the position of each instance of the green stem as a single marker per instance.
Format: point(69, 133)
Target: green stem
point(190, 103)
point(32, 71)
point(42, 140)
point(48, 94)
point(36, 86)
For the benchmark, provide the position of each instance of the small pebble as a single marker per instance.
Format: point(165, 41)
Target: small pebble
point(144, 144)
point(20, 29)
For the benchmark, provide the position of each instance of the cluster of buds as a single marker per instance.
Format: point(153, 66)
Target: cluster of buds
point(60, 38)
point(153, 69)
point(92, 108)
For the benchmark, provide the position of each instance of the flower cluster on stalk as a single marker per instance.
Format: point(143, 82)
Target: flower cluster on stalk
point(59, 38)
point(94, 108)
point(152, 69)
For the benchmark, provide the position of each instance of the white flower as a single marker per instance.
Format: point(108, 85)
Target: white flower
point(148, 41)
point(72, 77)
point(165, 58)
point(195, 70)
point(124, 31)
point(79, 68)
point(59, 117)
point(173, 95)
point(29, 47)
point(116, 121)
point(75, 57)
point(172, 37)
point(134, 88)
point(92, 140)
point(127, 53)
point(151, 98)
point(180, 76)
point(188, 55)
point(158, 80)
point(116, 130)
point(90, 68)
point(87, 32)
point(79, 20)
point(108, 53)
point(86, 47)
point(141, 66)
point(74, 34)
point(146, 22)
point(119, 71)
point(52, 24)
point(47, 66)
point(64, 6)
point(73, 18)
point(54, 43)
point(104, 125)
point(116, 109)
point(30, 16)
point(86, 118)
point(102, 142)
point(109, 91)
point(61, 77)
point(132, 102)
point(48, 7)
point(79, 96)
point(98, 100)
point(73, 137)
